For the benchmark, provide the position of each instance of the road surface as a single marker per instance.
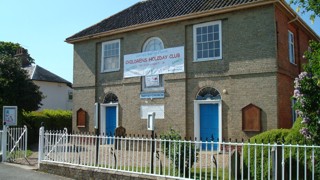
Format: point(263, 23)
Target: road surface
point(17, 172)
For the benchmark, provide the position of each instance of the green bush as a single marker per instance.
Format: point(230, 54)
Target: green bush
point(184, 155)
point(52, 119)
point(272, 136)
point(294, 138)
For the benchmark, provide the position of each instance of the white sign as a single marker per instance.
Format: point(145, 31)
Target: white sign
point(165, 61)
point(150, 121)
point(158, 109)
point(152, 81)
point(10, 115)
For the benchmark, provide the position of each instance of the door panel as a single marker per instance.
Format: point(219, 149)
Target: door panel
point(111, 121)
point(209, 124)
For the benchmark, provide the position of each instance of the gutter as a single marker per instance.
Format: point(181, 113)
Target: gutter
point(298, 19)
point(171, 20)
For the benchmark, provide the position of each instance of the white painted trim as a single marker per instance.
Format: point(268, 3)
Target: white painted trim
point(197, 117)
point(195, 58)
point(150, 39)
point(103, 116)
point(292, 57)
point(102, 56)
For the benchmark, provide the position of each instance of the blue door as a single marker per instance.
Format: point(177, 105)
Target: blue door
point(111, 121)
point(209, 124)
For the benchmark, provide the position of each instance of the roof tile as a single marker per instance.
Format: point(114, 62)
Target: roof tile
point(154, 10)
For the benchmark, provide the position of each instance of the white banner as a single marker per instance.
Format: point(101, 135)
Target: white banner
point(165, 61)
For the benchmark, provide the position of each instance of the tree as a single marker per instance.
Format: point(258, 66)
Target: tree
point(307, 94)
point(312, 6)
point(15, 50)
point(16, 88)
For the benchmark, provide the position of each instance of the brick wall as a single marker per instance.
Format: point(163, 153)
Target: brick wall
point(287, 71)
point(247, 72)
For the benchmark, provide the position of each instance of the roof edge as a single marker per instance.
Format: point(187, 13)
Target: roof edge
point(298, 18)
point(170, 20)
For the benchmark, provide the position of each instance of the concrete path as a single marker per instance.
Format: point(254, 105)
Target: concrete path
point(10, 171)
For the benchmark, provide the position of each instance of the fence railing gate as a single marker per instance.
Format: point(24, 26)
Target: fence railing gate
point(14, 143)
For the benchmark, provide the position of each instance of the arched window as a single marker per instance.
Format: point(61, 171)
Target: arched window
point(110, 98)
point(153, 44)
point(153, 83)
point(208, 93)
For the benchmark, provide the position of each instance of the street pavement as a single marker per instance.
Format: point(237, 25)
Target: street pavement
point(9, 171)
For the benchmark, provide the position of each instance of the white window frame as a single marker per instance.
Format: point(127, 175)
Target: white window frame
point(195, 48)
point(291, 48)
point(103, 56)
point(149, 40)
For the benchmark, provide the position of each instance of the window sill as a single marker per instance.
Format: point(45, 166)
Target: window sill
point(204, 60)
point(109, 71)
point(293, 63)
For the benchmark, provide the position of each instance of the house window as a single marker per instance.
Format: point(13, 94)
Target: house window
point(70, 95)
point(152, 83)
point(110, 60)
point(207, 41)
point(153, 44)
point(291, 47)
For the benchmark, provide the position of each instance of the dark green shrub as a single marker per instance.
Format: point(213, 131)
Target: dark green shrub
point(272, 136)
point(185, 155)
point(52, 119)
point(294, 138)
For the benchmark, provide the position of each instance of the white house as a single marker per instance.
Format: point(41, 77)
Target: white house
point(57, 91)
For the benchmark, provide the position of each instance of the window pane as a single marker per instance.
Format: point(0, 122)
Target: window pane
point(210, 37)
point(199, 46)
point(205, 54)
point(216, 28)
point(210, 29)
point(205, 46)
point(216, 36)
point(204, 38)
point(198, 31)
point(217, 53)
point(204, 30)
point(211, 53)
point(199, 38)
point(210, 45)
point(217, 44)
point(199, 54)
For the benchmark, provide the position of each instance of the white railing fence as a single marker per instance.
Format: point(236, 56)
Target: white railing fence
point(1, 131)
point(181, 159)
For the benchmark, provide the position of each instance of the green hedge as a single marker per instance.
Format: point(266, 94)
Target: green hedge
point(52, 119)
point(272, 136)
point(286, 136)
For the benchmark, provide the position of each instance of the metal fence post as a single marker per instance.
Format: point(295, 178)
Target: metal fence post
point(4, 143)
point(25, 141)
point(65, 131)
point(41, 143)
